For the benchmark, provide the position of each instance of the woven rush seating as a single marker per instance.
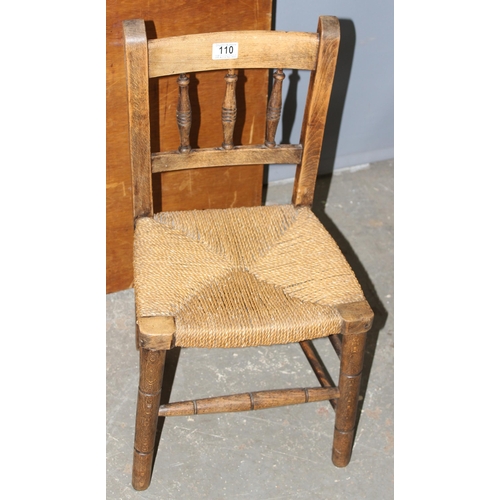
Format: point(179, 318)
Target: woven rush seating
point(243, 276)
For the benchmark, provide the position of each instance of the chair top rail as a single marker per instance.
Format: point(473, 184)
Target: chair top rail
point(232, 49)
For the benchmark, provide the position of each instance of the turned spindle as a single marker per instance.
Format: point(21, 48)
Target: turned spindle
point(274, 109)
point(152, 364)
point(184, 113)
point(351, 366)
point(229, 109)
point(249, 401)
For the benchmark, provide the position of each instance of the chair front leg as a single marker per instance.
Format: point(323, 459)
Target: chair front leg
point(152, 363)
point(351, 366)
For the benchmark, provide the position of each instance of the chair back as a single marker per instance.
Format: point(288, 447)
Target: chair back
point(231, 51)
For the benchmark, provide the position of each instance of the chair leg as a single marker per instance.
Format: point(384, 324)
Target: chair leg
point(351, 365)
point(152, 364)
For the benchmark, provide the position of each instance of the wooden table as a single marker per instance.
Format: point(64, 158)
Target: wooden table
point(219, 187)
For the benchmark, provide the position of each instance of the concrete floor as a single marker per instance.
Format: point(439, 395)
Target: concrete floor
point(282, 452)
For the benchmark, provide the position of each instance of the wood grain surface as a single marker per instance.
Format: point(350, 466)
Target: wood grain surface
point(215, 187)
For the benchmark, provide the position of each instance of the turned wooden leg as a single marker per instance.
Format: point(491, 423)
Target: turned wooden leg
point(152, 364)
point(351, 365)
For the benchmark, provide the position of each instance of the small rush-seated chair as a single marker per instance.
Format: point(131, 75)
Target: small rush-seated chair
point(239, 277)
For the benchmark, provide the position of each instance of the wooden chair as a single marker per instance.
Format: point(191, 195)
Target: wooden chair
point(238, 277)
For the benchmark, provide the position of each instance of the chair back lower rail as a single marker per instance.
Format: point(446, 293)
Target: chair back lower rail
point(218, 157)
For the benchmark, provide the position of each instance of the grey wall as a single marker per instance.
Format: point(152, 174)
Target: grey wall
point(360, 126)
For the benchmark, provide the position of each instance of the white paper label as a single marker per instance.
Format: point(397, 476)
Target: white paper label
point(225, 50)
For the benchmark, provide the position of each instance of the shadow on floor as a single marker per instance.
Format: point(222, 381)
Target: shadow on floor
point(380, 312)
